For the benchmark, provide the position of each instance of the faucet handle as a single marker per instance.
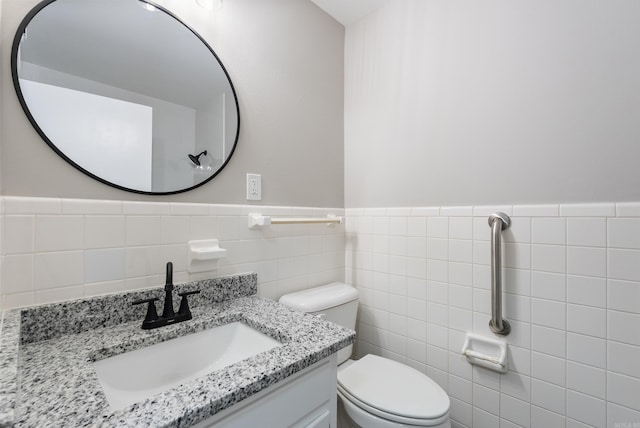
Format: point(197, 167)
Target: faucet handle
point(184, 303)
point(151, 315)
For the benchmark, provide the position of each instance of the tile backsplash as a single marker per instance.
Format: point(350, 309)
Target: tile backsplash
point(572, 296)
point(60, 249)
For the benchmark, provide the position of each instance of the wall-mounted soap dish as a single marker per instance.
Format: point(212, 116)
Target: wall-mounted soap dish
point(204, 255)
point(486, 352)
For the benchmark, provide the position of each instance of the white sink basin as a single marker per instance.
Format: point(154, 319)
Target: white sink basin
point(134, 376)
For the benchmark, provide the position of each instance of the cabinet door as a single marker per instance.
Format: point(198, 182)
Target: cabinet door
point(321, 421)
point(303, 400)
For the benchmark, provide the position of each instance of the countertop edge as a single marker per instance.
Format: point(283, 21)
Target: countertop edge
point(9, 347)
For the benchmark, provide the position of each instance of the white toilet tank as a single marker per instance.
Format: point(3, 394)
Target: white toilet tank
point(335, 302)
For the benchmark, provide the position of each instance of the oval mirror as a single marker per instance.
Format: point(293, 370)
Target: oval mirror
point(126, 92)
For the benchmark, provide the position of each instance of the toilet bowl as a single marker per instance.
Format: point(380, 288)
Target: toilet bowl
point(376, 392)
point(373, 392)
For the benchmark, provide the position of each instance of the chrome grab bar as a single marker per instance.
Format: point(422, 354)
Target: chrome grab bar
point(498, 222)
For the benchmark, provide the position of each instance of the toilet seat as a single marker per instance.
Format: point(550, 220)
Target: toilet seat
point(393, 391)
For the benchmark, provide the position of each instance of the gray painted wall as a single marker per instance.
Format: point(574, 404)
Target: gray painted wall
point(285, 58)
point(457, 102)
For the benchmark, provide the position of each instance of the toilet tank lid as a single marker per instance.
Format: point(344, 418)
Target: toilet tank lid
point(320, 298)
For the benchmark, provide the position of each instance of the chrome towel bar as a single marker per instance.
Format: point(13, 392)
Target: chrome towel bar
point(498, 222)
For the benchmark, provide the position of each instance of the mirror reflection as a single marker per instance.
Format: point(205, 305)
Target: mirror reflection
point(126, 92)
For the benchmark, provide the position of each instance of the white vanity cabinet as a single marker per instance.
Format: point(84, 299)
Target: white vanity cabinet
point(305, 399)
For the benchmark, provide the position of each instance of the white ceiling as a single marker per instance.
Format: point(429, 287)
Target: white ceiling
point(348, 11)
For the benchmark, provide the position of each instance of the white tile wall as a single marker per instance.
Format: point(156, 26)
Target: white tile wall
point(572, 295)
point(571, 278)
point(58, 249)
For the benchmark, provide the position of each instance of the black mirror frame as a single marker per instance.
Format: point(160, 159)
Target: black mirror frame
point(16, 84)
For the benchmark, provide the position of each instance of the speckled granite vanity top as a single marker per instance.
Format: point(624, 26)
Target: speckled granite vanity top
point(47, 377)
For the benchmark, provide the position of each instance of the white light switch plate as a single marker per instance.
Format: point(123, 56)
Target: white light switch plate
point(254, 187)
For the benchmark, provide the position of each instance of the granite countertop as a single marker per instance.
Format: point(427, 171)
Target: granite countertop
point(47, 377)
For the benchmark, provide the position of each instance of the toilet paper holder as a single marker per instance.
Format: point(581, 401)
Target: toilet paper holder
point(486, 352)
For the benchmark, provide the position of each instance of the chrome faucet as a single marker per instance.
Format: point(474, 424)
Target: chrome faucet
point(169, 316)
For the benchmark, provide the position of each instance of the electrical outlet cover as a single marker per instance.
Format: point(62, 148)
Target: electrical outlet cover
point(254, 187)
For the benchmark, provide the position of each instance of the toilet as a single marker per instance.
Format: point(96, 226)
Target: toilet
point(373, 392)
